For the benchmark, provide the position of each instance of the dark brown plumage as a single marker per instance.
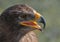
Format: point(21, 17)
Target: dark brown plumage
point(13, 25)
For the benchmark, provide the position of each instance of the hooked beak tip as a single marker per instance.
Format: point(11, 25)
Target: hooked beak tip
point(43, 21)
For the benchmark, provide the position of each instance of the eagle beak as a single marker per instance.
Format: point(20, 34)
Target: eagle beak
point(33, 23)
point(41, 19)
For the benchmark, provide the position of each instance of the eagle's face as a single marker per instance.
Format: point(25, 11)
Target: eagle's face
point(23, 16)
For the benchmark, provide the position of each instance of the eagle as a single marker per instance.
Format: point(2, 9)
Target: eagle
point(18, 22)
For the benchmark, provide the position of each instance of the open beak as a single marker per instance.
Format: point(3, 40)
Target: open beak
point(33, 23)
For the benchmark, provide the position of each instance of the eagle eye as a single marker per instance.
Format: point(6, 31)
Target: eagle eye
point(24, 16)
point(27, 16)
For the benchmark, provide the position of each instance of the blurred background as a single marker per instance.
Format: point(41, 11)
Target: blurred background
point(50, 9)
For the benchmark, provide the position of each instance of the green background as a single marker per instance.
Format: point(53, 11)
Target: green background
point(50, 9)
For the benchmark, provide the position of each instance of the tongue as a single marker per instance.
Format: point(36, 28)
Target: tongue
point(29, 23)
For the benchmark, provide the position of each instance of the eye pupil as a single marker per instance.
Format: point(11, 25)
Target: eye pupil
point(24, 16)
